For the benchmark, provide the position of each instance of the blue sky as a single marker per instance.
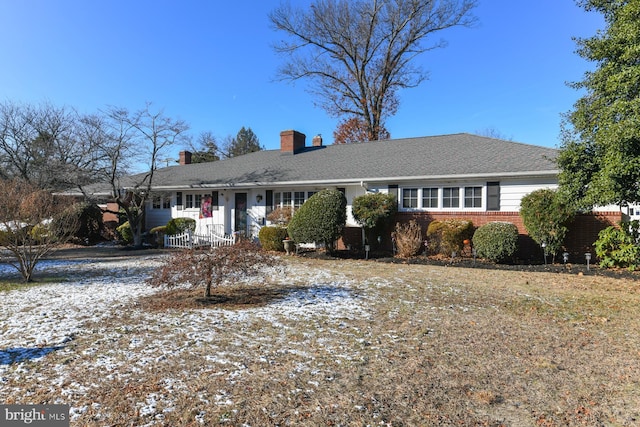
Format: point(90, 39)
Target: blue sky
point(211, 63)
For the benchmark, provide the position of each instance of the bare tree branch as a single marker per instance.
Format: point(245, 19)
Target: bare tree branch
point(358, 54)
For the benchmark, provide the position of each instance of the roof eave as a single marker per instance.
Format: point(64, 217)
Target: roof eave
point(358, 181)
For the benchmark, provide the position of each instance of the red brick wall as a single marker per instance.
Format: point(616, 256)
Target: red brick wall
point(583, 230)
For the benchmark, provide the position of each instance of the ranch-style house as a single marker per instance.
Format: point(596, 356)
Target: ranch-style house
point(436, 177)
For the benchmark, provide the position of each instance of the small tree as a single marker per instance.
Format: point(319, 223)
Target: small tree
point(374, 211)
point(320, 219)
point(25, 217)
point(545, 216)
point(239, 263)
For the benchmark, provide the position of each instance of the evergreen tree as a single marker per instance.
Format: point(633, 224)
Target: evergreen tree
point(245, 142)
point(600, 152)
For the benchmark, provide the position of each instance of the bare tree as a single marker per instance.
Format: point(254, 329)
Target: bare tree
point(359, 53)
point(126, 141)
point(492, 132)
point(43, 145)
point(26, 212)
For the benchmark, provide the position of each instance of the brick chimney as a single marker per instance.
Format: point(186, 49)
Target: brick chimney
point(185, 158)
point(317, 141)
point(291, 141)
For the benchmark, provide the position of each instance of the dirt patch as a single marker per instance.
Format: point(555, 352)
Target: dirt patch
point(225, 298)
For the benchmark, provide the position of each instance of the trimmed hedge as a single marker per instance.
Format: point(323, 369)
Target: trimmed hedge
point(271, 238)
point(320, 219)
point(180, 225)
point(447, 236)
point(496, 241)
point(125, 234)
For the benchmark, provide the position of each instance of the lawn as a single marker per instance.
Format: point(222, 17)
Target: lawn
point(337, 342)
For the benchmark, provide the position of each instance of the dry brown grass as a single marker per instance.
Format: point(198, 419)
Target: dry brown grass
point(432, 346)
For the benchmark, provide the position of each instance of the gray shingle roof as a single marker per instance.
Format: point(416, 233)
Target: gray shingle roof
point(458, 155)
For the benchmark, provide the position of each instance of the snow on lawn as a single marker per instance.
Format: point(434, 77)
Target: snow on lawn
point(39, 320)
point(48, 316)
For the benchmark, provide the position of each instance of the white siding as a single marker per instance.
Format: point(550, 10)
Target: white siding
point(512, 191)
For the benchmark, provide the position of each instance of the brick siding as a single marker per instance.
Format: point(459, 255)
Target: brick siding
point(583, 231)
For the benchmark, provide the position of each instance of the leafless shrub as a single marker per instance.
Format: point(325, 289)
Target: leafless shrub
point(408, 239)
point(281, 215)
point(214, 267)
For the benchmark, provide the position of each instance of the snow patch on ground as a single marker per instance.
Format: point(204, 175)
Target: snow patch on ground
point(39, 320)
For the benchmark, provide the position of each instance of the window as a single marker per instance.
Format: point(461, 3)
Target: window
point(429, 197)
point(155, 204)
point(310, 193)
point(198, 201)
point(189, 198)
point(277, 200)
point(450, 197)
point(179, 200)
point(166, 203)
point(410, 198)
point(286, 198)
point(472, 197)
point(298, 199)
point(493, 196)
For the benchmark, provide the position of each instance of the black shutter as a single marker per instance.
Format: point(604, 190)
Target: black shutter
point(269, 201)
point(393, 189)
point(493, 196)
point(214, 200)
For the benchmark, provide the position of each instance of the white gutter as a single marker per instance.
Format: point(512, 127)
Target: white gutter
point(361, 181)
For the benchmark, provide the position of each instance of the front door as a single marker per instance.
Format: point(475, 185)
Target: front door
point(240, 215)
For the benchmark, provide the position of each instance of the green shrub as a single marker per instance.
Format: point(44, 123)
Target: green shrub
point(83, 221)
point(39, 233)
point(180, 225)
point(374, 211)
point(445, 237)
point(271, 238)
point(617, 247)
point(545, 216)
point(496, 241)
point(124, 233)
point(320, 219)
point(161, 229)
point(408, 238)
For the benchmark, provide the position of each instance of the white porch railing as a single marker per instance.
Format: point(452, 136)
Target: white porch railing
point(191, 240)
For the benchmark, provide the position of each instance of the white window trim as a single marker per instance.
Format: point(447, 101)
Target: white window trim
point(461, 191)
